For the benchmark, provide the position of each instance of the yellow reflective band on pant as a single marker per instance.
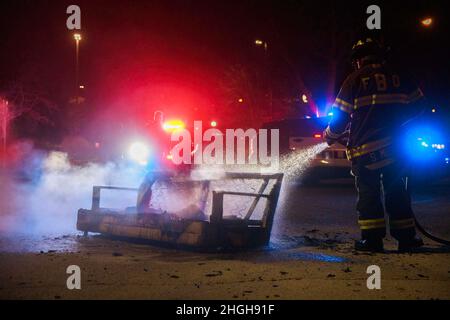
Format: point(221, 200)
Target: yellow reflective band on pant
point(372, 224)
point(368, 148)
point(402, 224)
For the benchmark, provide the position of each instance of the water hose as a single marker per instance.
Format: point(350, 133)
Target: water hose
point(429, 235)
point(423, 230)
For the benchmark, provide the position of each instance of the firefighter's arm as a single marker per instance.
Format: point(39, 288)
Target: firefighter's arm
point(342, 108)
point(417, 107)
point(417, 103)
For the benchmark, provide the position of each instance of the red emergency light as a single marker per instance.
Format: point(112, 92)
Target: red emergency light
point(318, 136)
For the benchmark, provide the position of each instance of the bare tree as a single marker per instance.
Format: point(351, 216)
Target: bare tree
point(20, 100)
point(244, 94)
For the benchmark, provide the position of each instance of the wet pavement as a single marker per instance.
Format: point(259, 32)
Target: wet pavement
point(322, 216)
point(312, 239)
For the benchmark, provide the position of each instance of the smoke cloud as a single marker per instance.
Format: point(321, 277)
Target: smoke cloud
point(47, 200)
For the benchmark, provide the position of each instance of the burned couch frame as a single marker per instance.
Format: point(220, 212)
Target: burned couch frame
point(165, 228)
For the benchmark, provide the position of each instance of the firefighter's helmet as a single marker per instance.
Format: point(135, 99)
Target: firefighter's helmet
point(367, 47)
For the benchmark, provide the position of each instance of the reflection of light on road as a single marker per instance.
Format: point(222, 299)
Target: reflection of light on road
point(316, 257)
point(283, 251)
point(35, 243)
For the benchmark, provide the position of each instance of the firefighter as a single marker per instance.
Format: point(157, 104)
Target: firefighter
point(373, 105)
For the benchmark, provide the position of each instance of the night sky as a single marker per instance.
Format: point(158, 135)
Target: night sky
point(136, 52)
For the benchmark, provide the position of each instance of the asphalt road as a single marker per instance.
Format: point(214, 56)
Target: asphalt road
point(330, 206)
point(310, 257)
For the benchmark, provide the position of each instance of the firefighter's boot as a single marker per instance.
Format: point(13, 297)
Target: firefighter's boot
point(369, 245)
point(410, 245)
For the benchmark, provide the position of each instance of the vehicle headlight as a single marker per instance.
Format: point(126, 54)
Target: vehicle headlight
point(139, 152)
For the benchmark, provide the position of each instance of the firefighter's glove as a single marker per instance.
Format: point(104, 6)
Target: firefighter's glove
point(330, 137)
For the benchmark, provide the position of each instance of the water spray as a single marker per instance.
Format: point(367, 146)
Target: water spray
point(294, 164)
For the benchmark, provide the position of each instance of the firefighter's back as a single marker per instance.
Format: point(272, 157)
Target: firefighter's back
point(383, 99)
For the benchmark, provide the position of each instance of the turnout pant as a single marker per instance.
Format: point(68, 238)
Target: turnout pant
point(374, 185)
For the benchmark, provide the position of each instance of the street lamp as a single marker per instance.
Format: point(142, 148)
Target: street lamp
point(427, 22)
point(304, 98)
point(77, 38)
point(262, 43)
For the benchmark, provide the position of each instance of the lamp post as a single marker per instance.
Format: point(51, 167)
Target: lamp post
point(4, 118)
point(77, 38)
point(264, 44)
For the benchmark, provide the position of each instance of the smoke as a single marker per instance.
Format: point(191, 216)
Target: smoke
point(41, 196)
point(47, 201)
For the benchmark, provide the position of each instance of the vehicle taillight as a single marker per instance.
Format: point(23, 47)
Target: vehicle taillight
point(318, 136)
